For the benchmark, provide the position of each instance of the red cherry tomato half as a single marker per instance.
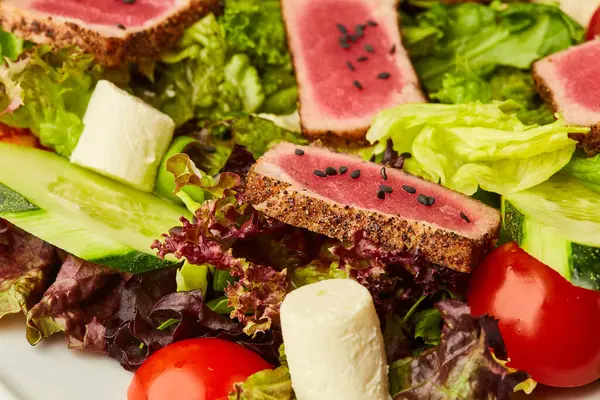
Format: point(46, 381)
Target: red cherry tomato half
point(594, 26)
point(196, 369)
point(551, 328)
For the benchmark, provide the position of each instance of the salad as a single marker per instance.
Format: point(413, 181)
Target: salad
point(306, 199)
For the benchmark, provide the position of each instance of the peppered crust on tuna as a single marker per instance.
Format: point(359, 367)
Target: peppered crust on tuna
point(111, 44)
point(286, 191)
point(568, 83)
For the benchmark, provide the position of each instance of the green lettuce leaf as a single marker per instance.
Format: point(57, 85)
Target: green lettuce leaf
point(25, 264)
point(193, 277)
point(267, 384)
point(485, 37)
point(504, 83)
point(55, 88)
point(462, 366)
point(255, 27)
point(200, 78)
point(473, 145)
point(10, 45)
point(587, 170)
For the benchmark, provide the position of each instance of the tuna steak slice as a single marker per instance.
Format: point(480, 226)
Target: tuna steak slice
point(349, 62)
point(447, 228)
point(115, 31)
point(569, 81)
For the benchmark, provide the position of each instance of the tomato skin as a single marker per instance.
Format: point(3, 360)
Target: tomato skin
point(550, 327)
point(195, 369)
point(594, 26)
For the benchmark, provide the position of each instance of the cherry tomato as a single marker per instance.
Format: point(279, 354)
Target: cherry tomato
point(196, 369)
point(22, 137)
point(594, 26)
point(551, 328)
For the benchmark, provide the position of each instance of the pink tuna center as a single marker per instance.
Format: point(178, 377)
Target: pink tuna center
point(332, 79)
point(362, 191)
point(106, 12)
point(579, 71)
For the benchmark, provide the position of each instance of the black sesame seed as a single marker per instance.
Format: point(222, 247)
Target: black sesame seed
point(422, 199)
point(369, 48)
point(384, 75)
point(121, 26)
point(380, 194)
point(409, 189)
point(406, 155)
point(372, 23)
point(354, 38)
point(431, 200)
point(299, 152)
point(383, 173)
point(355, 174)
point(350, 66)
point(344, 42)
point(358, 85)
point(128, 1)
point(393, 49)
point(386, 189)
point(330, 171)
point(319, 173)
point(342, 29)
point(362, 58)
point(464, 216)
point(343, 169)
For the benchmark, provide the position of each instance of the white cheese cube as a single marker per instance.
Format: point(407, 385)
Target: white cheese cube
point(124, 138)
point(333, 342)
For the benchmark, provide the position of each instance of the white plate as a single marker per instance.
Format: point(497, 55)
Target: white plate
point(50, 371)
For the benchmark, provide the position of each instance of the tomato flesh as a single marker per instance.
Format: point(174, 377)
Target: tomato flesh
point(550, 327)
point(196, 369)
point(594, 26)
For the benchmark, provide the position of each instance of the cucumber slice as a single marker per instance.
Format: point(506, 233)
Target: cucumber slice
point(81, 212)
point(558, 222)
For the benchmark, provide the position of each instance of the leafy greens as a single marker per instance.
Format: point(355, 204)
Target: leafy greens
point(473, 145)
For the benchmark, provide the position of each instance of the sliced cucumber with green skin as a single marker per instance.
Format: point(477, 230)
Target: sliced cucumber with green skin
point(81, 212)
point(558, 222)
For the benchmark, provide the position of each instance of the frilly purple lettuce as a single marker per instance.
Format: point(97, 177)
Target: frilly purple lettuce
point(25, 265)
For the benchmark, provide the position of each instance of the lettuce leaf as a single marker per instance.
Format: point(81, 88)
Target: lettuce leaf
point(11, 46)
point(473, 145)
point(484, 37)
point(54, 88)
point(587, 170)
point(25, 264)
point(256, 28)
point(462, 366)
point(275, 384)
point(200, 78)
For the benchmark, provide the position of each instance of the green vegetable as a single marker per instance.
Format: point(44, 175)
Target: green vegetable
point(168, 323)
point(587, 170)
point(85, 214)
point(505, 83)
point(473, 145)
point(192, 277)
point(558, 222)
point(220, 305)
point(428, 326)
point(199, 78)
point(267, 385)
point(222, 279)
point(165, 181)
point(10, 45)
point(255, 27)
point(316, 271)
point(485, 37)
point(55, 88)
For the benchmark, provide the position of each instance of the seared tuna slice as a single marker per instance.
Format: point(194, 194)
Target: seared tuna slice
point(570, 82)
point(339, 195)
point(113, 30)
point(350, 64)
